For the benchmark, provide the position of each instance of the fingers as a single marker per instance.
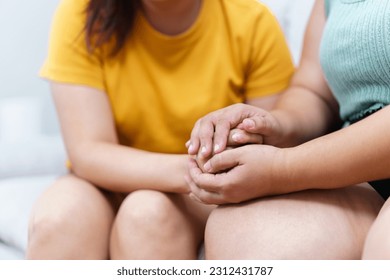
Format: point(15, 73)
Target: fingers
point(223, 161)
point(221, 134)
point(211, 132)
point(209, 187)
point(202, 195)
point(207, 181)
point(208, 194)
point(217, 164)
point(265, 125)
point(238, 137)
point(228, 119)
point(201, 138)
point(193, 144)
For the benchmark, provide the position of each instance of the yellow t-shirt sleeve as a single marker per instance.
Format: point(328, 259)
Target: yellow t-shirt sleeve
point(270, 65)
point(68, 59)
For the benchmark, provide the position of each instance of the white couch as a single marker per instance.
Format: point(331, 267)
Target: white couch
point(31, 150)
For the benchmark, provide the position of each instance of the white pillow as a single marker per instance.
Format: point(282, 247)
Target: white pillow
point(17, 197)
point(10, 253)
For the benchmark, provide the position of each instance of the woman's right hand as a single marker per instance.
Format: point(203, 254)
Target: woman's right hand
point(239, 175)
point(234, 125)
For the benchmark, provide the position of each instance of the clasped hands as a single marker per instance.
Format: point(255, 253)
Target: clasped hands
point(223, 167)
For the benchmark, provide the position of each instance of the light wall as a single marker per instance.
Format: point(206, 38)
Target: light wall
point(24, 29)
point(293, 16)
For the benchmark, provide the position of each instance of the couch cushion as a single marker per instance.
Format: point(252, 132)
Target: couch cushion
point(10, 253)
point(42, 155)
point(17, 197)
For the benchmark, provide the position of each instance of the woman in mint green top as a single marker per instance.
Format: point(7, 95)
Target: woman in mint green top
point(355, 55)
point(309, 189)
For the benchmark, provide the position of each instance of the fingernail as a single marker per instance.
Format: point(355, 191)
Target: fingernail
point(190, 148)
point(236, 137)
point(188, 144)
point(203, 150)
point(216, 148)
point(249, 123)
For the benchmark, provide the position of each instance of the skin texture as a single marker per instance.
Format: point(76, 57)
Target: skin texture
point(300, 153)
point(377, 242)
point(116, 191)
point(315, 224)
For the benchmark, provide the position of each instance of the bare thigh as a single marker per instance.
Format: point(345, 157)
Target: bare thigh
point(71, 220)
point(314, 224)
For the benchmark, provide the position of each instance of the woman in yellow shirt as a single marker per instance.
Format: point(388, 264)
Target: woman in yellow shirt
point(129, 80)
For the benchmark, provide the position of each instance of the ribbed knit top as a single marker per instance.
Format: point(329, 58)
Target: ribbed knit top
point(355, 55)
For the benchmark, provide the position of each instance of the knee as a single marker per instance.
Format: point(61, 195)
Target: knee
point(152, 225)
point(43, 226)
point(147, 210)
point(48, 217)
point(68, 210)
point(46, 230)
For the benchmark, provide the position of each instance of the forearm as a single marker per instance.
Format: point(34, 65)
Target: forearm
point(352, 155)
point(310, 107)
point(123, 169)
point(303, 116)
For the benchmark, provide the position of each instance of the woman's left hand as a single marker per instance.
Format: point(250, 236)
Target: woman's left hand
point(238, 175)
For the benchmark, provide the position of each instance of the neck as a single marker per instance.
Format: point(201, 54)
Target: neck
point(171, 17)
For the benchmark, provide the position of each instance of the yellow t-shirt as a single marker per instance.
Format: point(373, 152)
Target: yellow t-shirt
point(159, 85)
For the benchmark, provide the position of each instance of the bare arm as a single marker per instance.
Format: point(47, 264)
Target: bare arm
point(358, 153)
point(266, 103)
point(307, 109)
point(349, 156)
point(355, 154)
point(88, 129)
point(239, 137)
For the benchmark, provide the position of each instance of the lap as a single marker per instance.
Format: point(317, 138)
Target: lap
point(165, 206)
point(313, 224)
point(70, 194)
point(75, 211)
point(156, 225)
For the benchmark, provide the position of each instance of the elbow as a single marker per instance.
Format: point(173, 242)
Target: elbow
point(81, 163)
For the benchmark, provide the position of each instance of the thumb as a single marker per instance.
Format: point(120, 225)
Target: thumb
point(263, 125)
point(222, 162)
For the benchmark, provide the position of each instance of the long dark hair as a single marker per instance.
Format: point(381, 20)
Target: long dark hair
point(108, 20)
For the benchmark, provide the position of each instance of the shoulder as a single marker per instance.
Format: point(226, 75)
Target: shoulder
point(69, 18)
point(72, 8)
point(76, 5)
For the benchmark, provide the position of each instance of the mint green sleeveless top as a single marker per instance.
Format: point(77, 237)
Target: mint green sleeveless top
point(355, 55)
